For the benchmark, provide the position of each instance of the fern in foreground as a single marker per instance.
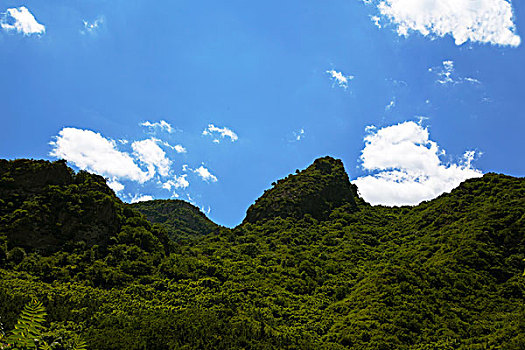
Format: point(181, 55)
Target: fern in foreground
point(29, 327)
point(28, 330)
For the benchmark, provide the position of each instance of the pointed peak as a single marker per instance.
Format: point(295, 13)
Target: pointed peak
point(327, 165)
point(316, 191)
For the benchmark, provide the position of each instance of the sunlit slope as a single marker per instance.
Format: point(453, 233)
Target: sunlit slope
point(311, 267)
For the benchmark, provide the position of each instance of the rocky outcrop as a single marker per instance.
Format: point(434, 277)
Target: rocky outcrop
point(45, 206)
point(316, 191)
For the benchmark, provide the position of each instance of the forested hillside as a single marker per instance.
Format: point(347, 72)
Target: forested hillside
point(312, 266)
point(181, 219)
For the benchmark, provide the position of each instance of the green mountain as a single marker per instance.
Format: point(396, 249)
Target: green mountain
point(312, 266)
point(181, 219)
point(44, 206)
point(316, 191)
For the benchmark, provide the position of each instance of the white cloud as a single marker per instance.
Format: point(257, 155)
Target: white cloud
point(339, 78)
point(22, 21)
point(205, 174)
point(139, 165)
point(115, 185)
point(376, 20)
point(215, 132)
point(179, 149)
point(176, 148)
point(406, 166)
point(446, 74)
point(149, 152)
point(162, 125)
point(483, 21)
point(141, 198)
point(90, 27)
point(177, 183)
point(91, 151)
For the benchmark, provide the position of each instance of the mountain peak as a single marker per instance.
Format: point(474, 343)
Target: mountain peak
point(180, 218)
point(44, 205)
point(316, 191)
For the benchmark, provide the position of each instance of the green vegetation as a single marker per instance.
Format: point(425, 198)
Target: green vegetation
point(316, 191)
point(311, 267)
point(29, 332)
point(181, 219)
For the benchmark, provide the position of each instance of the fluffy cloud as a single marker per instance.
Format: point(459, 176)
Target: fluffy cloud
point(91, 151)
point(177, 183)
point(218, 133)
point(339, 78)
point(149, 152)
point(22, 21)
point(115, 185)
point(162, 125)
point(205, 174)
point(445, 74)
point(179, 149)
point(137, 166)
point(406, 166)
point(484, 21)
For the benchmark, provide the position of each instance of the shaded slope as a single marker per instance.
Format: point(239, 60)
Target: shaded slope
point(180, 218)
point(44, 205)
point(51, 217)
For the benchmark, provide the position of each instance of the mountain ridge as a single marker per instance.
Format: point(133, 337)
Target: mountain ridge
point(447, 273)
point(44, 173)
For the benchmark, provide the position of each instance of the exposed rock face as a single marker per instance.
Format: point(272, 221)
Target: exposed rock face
point(44, 205)
point(316, 191)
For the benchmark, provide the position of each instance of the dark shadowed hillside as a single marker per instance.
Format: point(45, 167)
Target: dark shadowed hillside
point(312, 266)
point(44, 206)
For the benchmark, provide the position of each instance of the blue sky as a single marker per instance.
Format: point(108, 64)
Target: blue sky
point(213, 101)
